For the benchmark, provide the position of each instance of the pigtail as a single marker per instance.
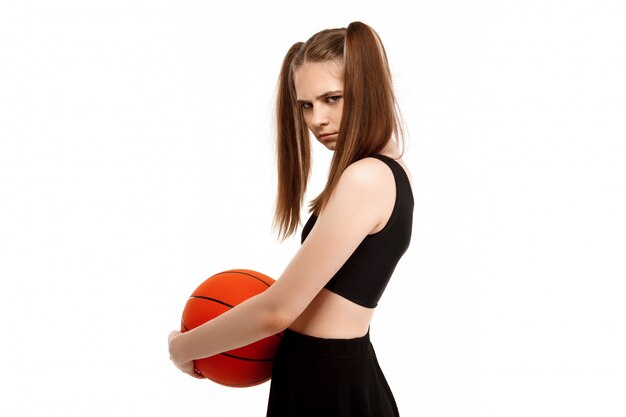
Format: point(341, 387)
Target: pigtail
point(292, 151)
point(367, 93)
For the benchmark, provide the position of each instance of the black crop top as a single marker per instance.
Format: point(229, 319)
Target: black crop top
point(364, 276)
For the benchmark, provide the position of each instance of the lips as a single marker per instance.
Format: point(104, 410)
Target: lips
point(327, 136)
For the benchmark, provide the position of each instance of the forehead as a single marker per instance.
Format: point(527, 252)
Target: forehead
point(316, 78)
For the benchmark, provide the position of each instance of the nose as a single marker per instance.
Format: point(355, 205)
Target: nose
point(320, 116)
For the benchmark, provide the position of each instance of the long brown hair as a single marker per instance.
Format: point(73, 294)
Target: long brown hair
point(370, 115)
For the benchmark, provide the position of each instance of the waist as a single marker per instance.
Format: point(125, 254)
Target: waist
point(341, 349)
point(330, 315)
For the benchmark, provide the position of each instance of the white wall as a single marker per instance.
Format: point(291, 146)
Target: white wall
point(136, 160)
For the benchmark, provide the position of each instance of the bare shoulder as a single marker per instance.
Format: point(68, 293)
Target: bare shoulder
point(366, 187)
point(372, 169)
point(368, 174)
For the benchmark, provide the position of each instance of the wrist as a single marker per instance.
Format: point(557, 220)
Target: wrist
point(177, 348)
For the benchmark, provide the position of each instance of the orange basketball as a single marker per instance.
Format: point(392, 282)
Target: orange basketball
point(245, 366)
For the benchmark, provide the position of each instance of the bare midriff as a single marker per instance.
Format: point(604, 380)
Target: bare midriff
point(330, 316)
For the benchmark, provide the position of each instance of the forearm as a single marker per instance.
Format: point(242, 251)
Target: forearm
point(252, 320)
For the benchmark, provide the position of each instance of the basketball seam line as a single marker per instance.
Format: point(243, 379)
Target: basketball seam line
point(246, 359)
point(244, 273)
point(211, 299)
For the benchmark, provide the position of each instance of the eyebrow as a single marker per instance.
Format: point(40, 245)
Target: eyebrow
point(328, 94)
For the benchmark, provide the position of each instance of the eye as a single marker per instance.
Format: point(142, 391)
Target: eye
point(306, 106)
point(333, 99)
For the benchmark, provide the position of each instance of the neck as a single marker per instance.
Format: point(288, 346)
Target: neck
point(391, 150)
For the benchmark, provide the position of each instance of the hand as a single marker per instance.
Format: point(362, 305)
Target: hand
point(186, 367)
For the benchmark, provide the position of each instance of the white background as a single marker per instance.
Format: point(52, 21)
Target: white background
point(137, 159)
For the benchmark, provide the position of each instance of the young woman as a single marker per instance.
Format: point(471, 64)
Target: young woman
point(337, 86)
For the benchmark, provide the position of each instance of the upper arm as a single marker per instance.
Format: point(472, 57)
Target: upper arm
point(352, 212)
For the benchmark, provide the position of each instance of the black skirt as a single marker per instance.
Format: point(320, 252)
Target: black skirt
point(314, 377)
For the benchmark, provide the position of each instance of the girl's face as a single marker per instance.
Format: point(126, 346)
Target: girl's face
point(319, 92)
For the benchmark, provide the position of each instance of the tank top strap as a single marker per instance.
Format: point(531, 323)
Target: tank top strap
point(398, 171)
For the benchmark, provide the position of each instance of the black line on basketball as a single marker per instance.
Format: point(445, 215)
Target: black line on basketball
point(211, 299)
point(184, 326)
point(245, 273)
point(246, 359)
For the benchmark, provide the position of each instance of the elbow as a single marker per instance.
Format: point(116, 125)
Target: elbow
point(279, 316)
point(278, 321)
